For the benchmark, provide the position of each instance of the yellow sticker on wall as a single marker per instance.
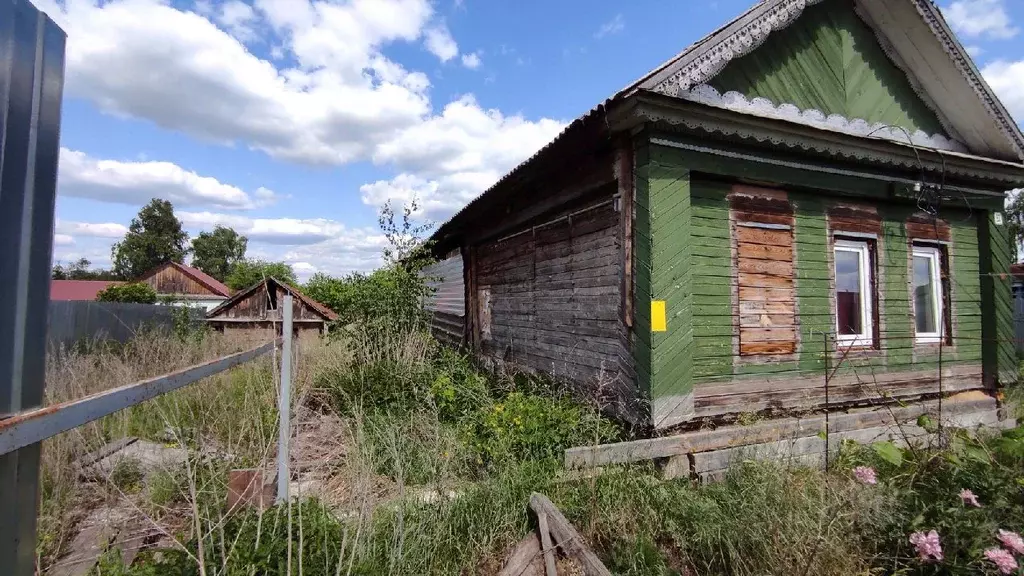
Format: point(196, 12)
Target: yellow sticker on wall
point(658, 320)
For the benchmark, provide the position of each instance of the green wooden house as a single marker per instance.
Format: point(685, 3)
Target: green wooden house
point(799, 210)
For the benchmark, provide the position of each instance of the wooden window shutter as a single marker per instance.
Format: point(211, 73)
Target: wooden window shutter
point(766, 296)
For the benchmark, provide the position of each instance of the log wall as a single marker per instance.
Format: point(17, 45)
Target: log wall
point(549, 298)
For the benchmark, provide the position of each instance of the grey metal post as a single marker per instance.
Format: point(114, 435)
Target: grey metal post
point(284, 404)
point(31, 89)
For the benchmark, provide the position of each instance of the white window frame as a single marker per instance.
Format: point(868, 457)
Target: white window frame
point(934, 254)
point(863, 252)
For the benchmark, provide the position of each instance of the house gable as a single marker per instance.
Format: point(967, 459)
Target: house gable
point(912, 36)
point(831, 61)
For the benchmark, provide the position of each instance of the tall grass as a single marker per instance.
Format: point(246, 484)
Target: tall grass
point(418, 463)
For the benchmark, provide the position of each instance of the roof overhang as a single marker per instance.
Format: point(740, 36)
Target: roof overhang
point(680, 115)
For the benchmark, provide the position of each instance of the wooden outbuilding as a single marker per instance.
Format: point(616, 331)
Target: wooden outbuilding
point(183, 284)
point(257, 311)
point(802, 210)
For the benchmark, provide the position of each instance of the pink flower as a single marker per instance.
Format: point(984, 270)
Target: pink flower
point(1002, 559)
point(865, 475)
point(969, 498)
point(1012, 541)
point(928, 547)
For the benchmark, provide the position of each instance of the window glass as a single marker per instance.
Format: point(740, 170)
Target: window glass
point(853, 296)
point(849, 300)
point(928, 300)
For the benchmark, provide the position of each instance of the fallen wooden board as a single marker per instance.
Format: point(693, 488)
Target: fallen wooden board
point(761, 432)
point(566, 536)
point(525, 559)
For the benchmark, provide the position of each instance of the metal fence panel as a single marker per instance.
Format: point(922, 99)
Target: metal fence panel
point(31, 88)
point(71, 322)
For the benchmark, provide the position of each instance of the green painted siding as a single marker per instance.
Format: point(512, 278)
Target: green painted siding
point(683, 254)
point(715, 358)
point(1000, 357)
point(662, 271)
point(830, 60)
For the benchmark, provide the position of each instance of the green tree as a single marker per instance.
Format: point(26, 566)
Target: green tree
point(80, 270)
point(217, 252)
point(155, 237)
point(1015, 222)
point(245, 273)
point(137, 292)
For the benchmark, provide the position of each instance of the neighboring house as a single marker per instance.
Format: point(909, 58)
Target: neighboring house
point(186, 285)
point(256, 311)
point(78, 289)
point(1017, 275)
point(755, 217)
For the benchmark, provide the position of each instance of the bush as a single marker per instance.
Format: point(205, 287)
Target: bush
point(925, 485)
point(524, 426)
point(136, 292)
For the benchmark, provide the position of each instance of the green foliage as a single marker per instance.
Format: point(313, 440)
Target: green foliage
point(925, 483)
point(154, 237)
point(80, 270)
point(457, 389)
point(530, 426)
point(246, 273)
point(217, 252)
point(189, 324)
point(137, 292)
point(127, 475)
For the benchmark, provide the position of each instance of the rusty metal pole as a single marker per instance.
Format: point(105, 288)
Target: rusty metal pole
point(31, 89)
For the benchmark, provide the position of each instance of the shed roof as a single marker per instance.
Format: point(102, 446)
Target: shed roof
point(909, 31)
point(211, 283)
point(317, 307)
point(78, 289)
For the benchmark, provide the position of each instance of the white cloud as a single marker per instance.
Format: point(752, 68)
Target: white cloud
point(449, 159)
point(1007, 79)
point(472, 61)
point(309, 245)
point(974, 50)
point(135, 182)
point(281, 231)
point(91, 229)
point(329, 96)
point(239, 19)
point(440, 43)
point(63, 240)
point(146, 59)
point(975, 18)
point(613, 26)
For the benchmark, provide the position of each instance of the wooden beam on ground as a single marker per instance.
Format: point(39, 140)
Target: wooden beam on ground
point(762, 432)
point(566, 536)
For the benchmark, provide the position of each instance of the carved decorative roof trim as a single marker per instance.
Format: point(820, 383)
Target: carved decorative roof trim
point(762, 133)
point(933, 19)
point(710, 61)
point(765, 108)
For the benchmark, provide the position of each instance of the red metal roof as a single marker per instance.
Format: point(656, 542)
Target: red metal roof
point(78, 289)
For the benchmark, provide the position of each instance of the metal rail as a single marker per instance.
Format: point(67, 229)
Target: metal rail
point(37, 425)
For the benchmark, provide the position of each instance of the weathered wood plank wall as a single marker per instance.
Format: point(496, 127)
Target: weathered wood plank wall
point(170, 280)
point(548, 298)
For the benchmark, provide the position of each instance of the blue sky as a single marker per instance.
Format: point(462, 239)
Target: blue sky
point(293, 121)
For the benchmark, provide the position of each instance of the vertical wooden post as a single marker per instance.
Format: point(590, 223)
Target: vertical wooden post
point(545, 544)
